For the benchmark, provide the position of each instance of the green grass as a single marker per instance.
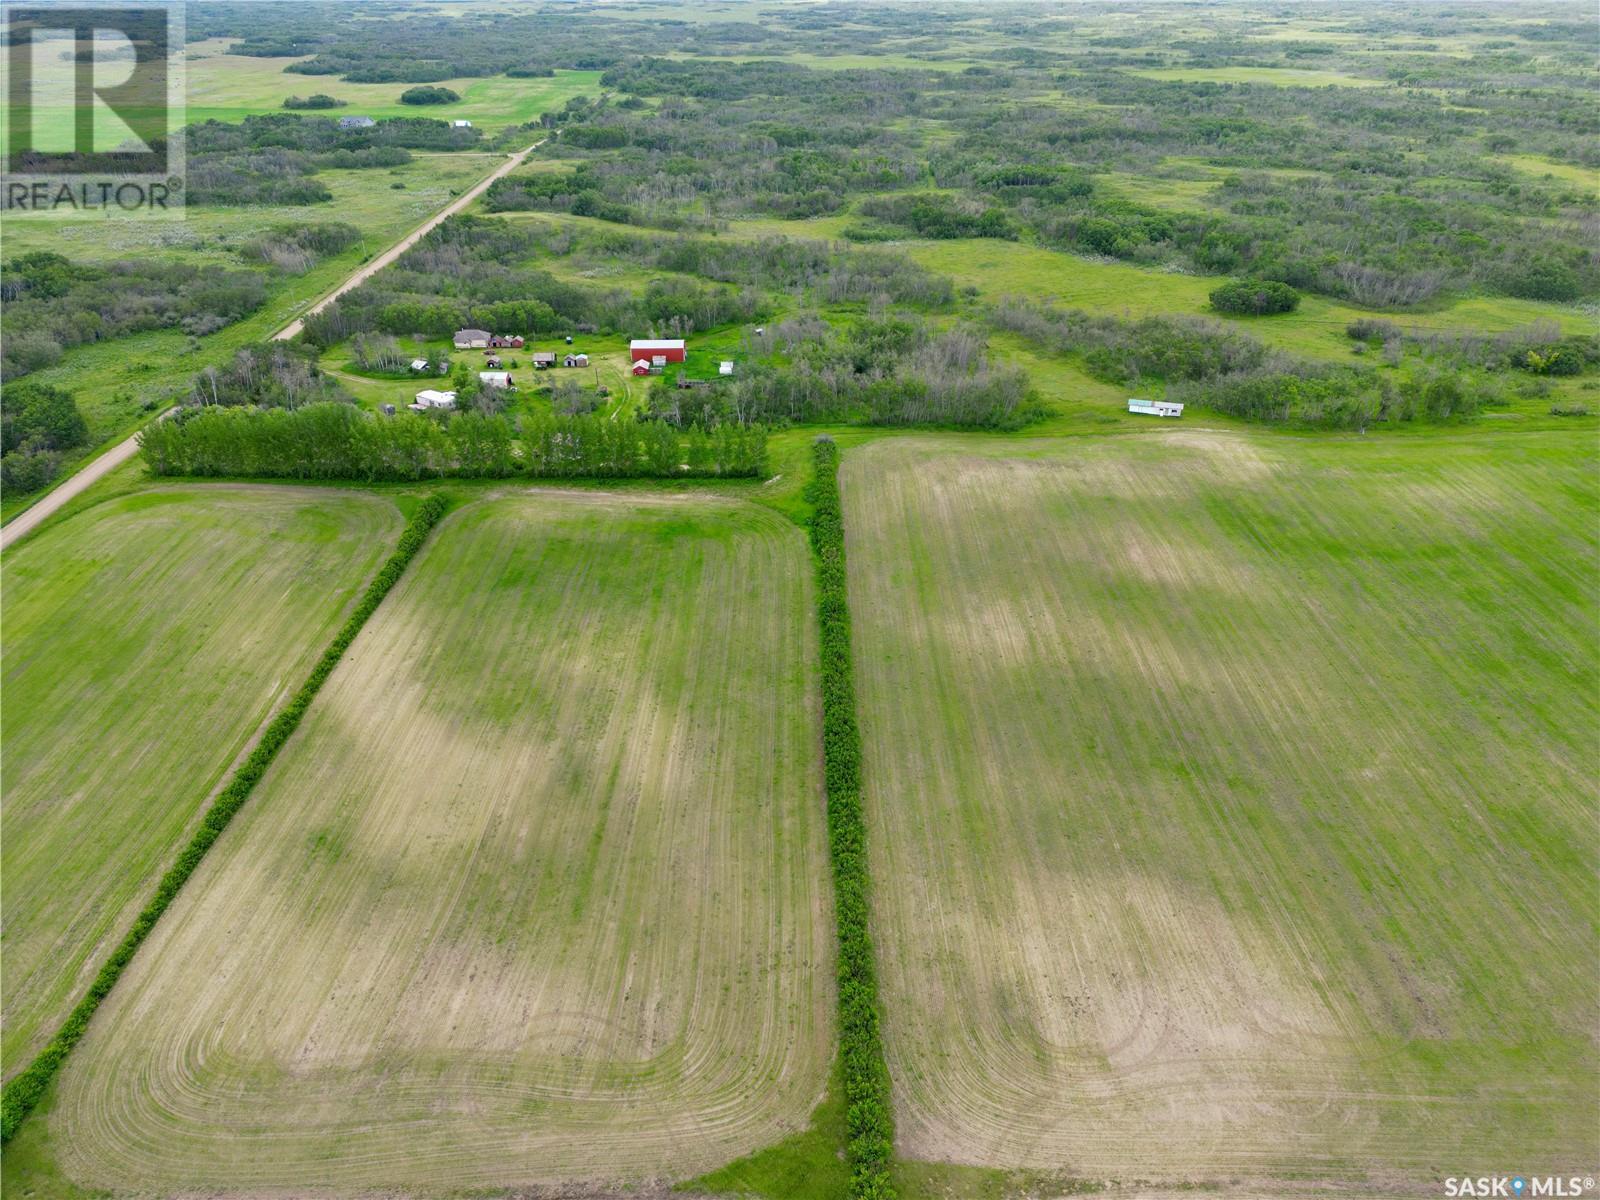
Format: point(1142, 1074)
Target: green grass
point(146, 641)
point(537, 891)
point(1232, 788)
point(229, 87)
point(1276, 76)
point(810, 1165)
point(1317, 328)
point(1586, 178)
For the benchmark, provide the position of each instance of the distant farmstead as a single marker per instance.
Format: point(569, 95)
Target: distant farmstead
point(670, 350)
point(458, 124)
point(472, 339)
point(356, 122)
point(1156, 408)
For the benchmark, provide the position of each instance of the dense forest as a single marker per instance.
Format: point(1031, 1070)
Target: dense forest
point(1386, 194)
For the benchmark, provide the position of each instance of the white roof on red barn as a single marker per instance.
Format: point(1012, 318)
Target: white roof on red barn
point(655, 344)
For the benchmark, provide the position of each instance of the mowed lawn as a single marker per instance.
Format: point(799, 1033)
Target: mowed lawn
point(538, 892)
point(146, 641)
point(1231, 799)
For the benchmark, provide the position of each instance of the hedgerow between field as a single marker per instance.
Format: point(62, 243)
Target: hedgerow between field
point(22, 1093)
point(338, 441)
point(870, 1118)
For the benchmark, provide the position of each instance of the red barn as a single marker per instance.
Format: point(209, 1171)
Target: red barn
point(668, 350)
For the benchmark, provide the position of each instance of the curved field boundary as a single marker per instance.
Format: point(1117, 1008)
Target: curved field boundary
point(21, 1093)
point(866, 1077)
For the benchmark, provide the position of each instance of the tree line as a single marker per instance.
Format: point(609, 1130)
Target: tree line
point(340, 441)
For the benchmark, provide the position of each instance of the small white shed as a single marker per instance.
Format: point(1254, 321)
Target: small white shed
point(499, 379)
point(725, 367)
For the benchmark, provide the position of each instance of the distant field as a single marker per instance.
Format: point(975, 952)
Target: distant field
point(146, 640)
point(1586, 178)
point(229, 87)
point(537, 893)
point(1229, 797)
point(1277, 76)
point(999, 268)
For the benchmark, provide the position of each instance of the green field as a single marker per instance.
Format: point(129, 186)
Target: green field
point(1228, 799)
point(147, 640)
point(1274, 76)
point(230, 87)
point(537, 893)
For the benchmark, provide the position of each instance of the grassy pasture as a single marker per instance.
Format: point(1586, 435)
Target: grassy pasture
point(537, 893)
point(1276, 76)
point(1586, 178)
point(147, 639)
point(1317, 328)
point(230, 87)
point(1227, 797)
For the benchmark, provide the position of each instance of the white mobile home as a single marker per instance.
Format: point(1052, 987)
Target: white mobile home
point(1156, 408)
point(429, 398)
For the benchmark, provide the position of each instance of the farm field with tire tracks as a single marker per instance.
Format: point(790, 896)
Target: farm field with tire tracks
point(1227, 796)
point(146, 641)
point(536, 893)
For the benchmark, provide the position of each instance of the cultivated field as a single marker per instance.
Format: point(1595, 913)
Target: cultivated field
point(146, 640)
point(1229, 797)
point(537, 893)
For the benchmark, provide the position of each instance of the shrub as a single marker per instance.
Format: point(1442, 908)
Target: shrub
point(1570, 408)
point(870, 1118)
point(44, 416)
point(1543, 279)
point(29, 469)
point(1255, 297)
point(318, 100)
point(429, 95)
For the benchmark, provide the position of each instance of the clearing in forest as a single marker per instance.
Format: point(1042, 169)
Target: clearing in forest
point(1228, 797)
point(147, 639)
point(538, 892)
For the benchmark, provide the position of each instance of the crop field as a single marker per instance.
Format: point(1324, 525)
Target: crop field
point(537, 893)
point(147, 639)
point(1227, 799)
